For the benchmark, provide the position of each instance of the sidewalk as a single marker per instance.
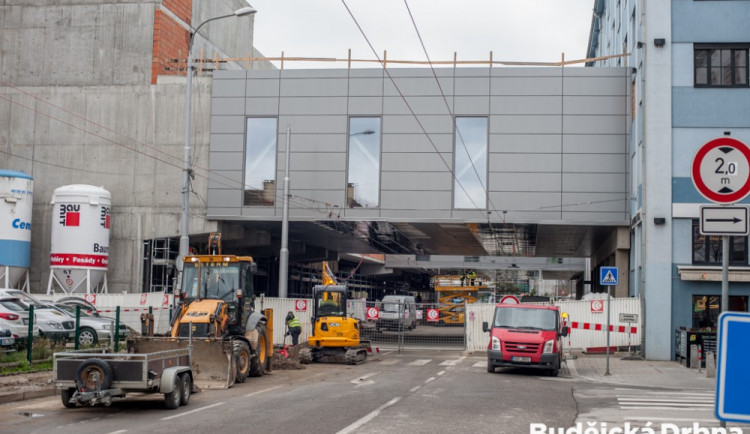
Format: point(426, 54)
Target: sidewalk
point(646, 373)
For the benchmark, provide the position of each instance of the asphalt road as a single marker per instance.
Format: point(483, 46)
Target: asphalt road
point(424, 392)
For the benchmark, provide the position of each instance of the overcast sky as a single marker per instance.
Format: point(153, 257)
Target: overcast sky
point(514, 30)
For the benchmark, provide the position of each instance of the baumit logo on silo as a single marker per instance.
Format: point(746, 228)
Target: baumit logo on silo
point(104, 218)
point(70, 214)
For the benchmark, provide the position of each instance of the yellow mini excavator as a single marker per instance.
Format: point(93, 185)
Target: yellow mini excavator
point(334, 333)
point(215, 316)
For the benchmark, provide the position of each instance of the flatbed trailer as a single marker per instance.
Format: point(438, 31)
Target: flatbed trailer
point(90, 378)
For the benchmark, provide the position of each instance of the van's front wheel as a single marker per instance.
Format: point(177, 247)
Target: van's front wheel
point(490, 367)
point(554, 372)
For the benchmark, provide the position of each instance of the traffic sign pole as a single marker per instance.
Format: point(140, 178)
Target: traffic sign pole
point(724, 286)
point(609, 308)
point(609, 277)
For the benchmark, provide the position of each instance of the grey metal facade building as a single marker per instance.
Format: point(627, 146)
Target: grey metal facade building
point(550, 155)
point(556, 141)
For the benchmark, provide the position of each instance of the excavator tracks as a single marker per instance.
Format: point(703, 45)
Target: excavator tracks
point(355, 356)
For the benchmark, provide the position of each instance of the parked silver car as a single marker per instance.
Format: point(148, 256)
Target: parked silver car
point(91, 328)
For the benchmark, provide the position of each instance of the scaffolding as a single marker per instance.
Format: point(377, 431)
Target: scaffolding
point(454, 292)
point(159, 264)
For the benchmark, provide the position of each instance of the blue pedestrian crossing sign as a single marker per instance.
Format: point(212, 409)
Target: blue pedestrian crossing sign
point(608, 276)
point(732, 375)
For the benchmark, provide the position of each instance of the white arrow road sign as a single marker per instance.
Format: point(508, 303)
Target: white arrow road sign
point(724, 220)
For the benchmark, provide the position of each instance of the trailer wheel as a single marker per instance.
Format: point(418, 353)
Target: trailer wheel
point(258, 364)
point(87, 372)
point(242, 360)
point(173, 398)
point(187, 388)
point(66, 394)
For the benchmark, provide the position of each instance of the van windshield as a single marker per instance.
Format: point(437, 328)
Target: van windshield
point(391, 307)
point(520, 318)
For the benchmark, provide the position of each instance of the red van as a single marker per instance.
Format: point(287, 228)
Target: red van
point(525, 336)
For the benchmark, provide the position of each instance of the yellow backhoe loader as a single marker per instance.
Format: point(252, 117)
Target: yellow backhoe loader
point(215, 317)
point(334, 333)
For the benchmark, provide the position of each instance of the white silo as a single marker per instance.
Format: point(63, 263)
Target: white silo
point(79, 252)
point(16, 199)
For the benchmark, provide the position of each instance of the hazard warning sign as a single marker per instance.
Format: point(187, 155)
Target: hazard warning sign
point(608, 276)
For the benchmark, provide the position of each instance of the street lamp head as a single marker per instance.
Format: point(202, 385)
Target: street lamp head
point(247, 10)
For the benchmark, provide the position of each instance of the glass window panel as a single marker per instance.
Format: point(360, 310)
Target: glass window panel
point(715, 57)
point(716, 76)
point(701, 76)
point(470, 169)
point(726, 76)
point(738, 249)
point(701, 58)
point(699, 244)
point(740, 57)
point(363, 183)
point(260, 162)
point(740, 76)
point(726, 57)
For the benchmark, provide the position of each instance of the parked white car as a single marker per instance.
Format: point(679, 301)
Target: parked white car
point(52, 323)
point(14, 316)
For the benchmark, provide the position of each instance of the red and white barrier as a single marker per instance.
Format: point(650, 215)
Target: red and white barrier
point(600, 327)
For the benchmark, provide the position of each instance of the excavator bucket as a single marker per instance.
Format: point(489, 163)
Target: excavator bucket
point(212, 361)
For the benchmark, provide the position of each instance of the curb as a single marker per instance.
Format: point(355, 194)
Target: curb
point(32, 394)
point(601, 380)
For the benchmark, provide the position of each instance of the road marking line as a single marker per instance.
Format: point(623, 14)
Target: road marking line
point(388, 362)
point(663, 408)
point(441, 373)
point(429, 380)
point(420, 362)
point(364, 377)
point(674, 400)
point(479, 365)
point(119, 431)
point(192, 411)
point(414, 389)
point(453, 362)
point(368, 417)
point(264, 390)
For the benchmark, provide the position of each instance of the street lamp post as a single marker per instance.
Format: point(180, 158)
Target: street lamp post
point(186, 163)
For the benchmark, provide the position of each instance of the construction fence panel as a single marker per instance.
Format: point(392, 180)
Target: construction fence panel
point(300, 307)
point(405, 327)
point(476, 339)
point(587, 320)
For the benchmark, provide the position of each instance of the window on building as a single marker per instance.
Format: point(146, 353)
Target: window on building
point(721, 66)
point(708, 249)
point(470, 166)
point(706, 310)
point(363, 182)
point(260, 162)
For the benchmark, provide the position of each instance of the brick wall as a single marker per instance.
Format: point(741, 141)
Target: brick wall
point(171, 39)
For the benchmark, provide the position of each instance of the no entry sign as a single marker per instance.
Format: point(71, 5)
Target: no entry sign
point(372, 313)
point(721, 170)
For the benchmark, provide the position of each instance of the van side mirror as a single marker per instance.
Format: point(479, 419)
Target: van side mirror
point(564, 331)
point(485, 327)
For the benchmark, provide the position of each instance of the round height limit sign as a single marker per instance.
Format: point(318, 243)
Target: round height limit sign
point(721, 170)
